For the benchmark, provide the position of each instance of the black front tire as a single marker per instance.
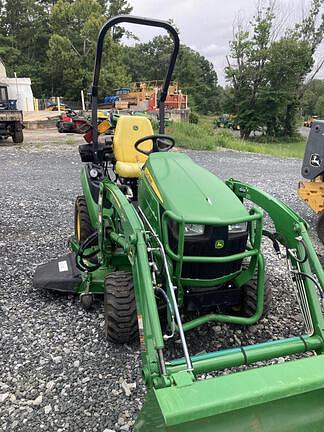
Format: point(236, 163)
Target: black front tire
point(249, 303)
point(18, 137)
point(82, 224)
point(120, 308)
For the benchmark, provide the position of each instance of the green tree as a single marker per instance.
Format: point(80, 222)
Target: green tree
point(289, 62)
point(118, 7)
point(72, 47)
point(148, 61)
point(309, 33)
point(268, 75)
point(34, 32)
point(313, 91)
point(249, 53)
point(25, 30)
point(319, 107)
point(226, 99)
point(195, 74)
point(8, 53)
point(198, 78)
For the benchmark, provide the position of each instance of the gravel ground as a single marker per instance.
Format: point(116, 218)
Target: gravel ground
point(57, 372)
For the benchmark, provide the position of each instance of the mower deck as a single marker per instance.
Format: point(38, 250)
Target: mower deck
point(60, 274)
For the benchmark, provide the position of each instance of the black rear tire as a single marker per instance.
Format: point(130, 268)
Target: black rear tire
point(320, 227)
point(18, 137)
point(82, 224)
point(120, 308)
point(250, 297)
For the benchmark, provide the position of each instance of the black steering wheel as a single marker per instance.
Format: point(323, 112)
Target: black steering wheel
point(159, 144)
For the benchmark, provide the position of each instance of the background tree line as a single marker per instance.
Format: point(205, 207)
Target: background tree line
point(267, 69)
point(53, 42)
point(313, 99)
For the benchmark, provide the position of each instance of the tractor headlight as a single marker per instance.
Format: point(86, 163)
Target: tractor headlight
point(191, 230)
point(237, 228)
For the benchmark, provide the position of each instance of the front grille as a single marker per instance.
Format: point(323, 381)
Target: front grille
point(208, 299)
point(204, 245)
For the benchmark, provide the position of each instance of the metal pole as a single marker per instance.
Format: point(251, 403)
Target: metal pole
point(96, 72)
point(204, 363)
point(82, 100)
point(174, 300)
point(161, 117)
point(17, 96)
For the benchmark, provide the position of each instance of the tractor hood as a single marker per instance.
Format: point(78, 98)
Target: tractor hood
point(190, 191)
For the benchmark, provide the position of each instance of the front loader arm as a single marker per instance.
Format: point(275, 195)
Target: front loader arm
point(289, 225)
point(129, 234)
point(291, 232)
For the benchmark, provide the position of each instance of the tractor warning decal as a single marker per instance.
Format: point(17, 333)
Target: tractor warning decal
point(141, 332)
point(63, 266)
point(315, 160)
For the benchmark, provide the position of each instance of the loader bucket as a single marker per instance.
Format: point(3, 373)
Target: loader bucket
point(287, 397)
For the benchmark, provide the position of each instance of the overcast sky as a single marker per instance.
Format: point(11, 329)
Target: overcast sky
point(207, 25)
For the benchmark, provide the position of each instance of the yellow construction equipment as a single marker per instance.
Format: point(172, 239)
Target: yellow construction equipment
point(310, 121)
point(311, 190)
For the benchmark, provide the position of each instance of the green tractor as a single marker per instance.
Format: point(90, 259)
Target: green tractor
point(172, 247)
point(226, 121)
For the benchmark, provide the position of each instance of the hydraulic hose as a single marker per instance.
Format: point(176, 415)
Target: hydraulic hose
point(81, 257)
point(169, 306)
point(294, 256)
point(275, 243)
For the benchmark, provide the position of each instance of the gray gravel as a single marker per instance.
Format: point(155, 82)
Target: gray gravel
point(57, 372)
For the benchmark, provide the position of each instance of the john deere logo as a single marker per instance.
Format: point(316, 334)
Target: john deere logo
point(219, 244)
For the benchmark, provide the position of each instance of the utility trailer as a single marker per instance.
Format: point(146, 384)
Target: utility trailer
point(11, 119)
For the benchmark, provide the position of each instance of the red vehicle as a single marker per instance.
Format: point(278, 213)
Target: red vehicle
point(71, 122)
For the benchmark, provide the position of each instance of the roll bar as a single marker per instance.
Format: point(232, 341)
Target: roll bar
point(94, 89)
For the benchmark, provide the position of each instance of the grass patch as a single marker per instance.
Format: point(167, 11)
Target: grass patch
point(202, 136)
point(69, 141)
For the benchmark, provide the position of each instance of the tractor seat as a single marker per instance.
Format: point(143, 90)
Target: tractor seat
point(129, 129)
